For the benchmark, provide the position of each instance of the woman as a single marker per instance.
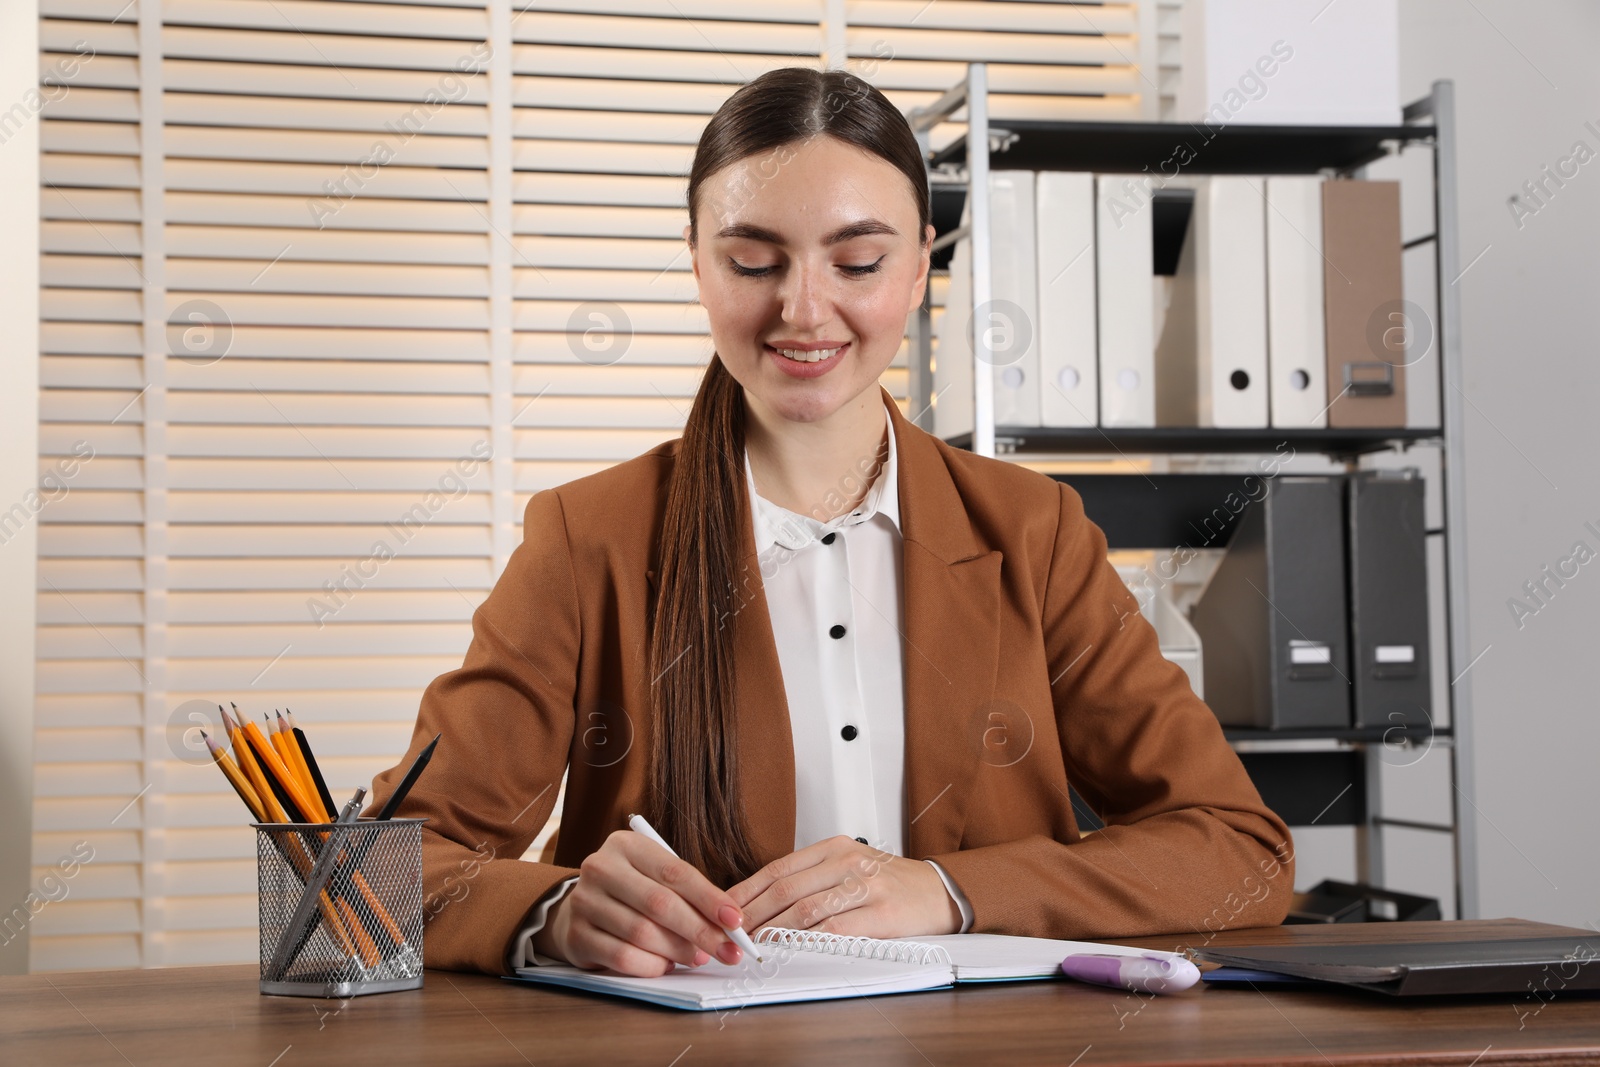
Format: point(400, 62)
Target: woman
point(814, 645)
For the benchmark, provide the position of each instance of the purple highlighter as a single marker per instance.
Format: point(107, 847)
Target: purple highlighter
point(1143, 974)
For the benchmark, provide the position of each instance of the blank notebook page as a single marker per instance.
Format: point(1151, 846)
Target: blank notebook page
point(996, 957)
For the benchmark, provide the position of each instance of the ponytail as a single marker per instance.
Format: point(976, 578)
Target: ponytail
point(694, 780)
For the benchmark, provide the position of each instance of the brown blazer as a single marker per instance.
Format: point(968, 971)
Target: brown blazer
point(1027, 667)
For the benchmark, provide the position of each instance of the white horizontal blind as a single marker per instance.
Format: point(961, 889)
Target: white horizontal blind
point(1075, 61)
point(316, 277)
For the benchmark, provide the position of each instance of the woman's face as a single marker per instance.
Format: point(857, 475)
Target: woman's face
point(814, 244)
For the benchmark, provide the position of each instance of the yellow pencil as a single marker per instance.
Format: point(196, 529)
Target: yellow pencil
point(252, 770)
point(289, 749)
point(273, 765)
point(236, 778)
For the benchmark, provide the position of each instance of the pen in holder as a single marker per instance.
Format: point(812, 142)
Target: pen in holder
point(340, 906)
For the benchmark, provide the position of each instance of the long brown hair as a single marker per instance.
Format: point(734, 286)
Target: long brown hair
point(694, 781)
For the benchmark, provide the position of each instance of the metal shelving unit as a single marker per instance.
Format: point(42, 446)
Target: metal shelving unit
point(1132, 520)
point(1093, 439)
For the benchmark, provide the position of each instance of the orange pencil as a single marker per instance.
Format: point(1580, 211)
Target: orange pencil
point(281, 745)
point(273, 765)
point(369, 948)
point(252, 770)
point(295, 759)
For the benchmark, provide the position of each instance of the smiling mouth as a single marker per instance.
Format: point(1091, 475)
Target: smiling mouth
point(816, 356)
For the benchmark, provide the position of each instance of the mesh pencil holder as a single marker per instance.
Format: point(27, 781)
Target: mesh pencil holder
point(341, 907)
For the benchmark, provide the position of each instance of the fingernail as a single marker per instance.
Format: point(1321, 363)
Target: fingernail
point(701, 957)
point(729, 916)
point(729, 952)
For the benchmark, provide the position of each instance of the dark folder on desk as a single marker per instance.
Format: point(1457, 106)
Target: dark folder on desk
point(1547, 966)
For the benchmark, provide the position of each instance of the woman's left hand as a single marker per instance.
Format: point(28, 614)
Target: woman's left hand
point(840, 886)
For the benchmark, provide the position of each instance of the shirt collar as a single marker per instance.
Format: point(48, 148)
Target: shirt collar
point(779, 525)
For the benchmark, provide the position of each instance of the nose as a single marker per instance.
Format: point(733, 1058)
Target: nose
point(806, 295)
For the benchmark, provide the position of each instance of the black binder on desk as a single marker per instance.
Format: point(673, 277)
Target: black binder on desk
point(1272, 620)
point(1544, 965)
point(1389, 598)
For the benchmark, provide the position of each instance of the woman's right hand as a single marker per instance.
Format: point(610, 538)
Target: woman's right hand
point(637, 909)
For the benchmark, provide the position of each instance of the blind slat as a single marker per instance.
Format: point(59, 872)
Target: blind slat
point(320, 82)
point(320, 16)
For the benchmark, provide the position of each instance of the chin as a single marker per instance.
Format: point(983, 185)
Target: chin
point(802, 401)
point(809, 404)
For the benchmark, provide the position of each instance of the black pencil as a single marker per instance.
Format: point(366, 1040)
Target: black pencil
point(311, 765)
point(392, 805)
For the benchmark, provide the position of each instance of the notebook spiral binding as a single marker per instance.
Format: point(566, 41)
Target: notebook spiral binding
point(860, 947)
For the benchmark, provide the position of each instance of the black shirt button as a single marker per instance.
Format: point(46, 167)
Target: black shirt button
point(827, 539)
point(862, 840)
point(836, 631)
point(848, 733)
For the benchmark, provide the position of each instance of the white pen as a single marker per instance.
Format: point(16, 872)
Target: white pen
point(638, 825)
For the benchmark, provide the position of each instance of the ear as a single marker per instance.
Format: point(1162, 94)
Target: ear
point(694, 263)
point(919, 288)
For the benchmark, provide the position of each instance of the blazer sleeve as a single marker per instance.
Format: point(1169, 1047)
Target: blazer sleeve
point(507, 719)
point(1188, 845)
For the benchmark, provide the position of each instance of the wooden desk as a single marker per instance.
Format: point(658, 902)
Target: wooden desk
point(213, 1015)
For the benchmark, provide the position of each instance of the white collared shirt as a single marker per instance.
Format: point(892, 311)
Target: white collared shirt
point(836, 614)
point(833, 593)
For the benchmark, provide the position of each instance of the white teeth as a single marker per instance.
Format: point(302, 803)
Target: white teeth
point(808, 357)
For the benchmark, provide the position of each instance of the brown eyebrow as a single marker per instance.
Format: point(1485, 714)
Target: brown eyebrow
point(860, 228)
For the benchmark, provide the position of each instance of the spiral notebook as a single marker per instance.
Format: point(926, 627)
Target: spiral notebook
point(802, 965)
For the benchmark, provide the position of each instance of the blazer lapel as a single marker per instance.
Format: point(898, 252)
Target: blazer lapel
point(951, 596)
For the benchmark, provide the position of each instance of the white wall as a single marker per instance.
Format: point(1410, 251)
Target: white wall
point(1526, 84)
point(19, 450)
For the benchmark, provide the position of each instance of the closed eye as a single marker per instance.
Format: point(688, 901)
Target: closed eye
point(855, 272)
